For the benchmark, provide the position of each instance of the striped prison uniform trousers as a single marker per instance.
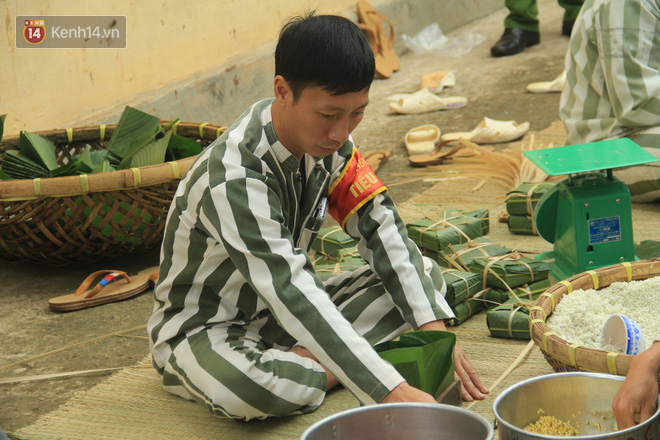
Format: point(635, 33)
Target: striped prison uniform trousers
point(228, 368)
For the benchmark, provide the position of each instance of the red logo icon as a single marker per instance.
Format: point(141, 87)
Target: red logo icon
point(34, 31)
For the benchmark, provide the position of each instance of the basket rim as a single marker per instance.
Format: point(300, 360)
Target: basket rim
point(64, 186)
point(575, 355)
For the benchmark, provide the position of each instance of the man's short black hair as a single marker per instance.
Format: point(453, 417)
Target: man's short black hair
point(326, 51)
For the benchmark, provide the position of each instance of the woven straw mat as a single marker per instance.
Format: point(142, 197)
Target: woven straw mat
point(132, 404)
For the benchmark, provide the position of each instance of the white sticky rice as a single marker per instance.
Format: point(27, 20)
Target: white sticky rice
point(580, 315)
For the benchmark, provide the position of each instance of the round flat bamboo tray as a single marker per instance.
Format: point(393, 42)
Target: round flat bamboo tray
point(62, 220)
point(565, 356)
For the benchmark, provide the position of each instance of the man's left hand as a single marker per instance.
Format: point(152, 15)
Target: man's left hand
point(471, 385)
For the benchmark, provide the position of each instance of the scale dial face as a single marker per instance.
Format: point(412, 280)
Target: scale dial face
point(545, 214)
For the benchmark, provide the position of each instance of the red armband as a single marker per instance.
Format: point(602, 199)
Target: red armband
point(355, 186)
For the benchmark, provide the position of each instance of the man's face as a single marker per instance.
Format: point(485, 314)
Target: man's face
point(318, 123)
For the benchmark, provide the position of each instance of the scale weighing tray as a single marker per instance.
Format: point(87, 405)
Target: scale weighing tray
point(602, 155)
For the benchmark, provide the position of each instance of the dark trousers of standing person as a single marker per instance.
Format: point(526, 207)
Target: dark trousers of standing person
point(521, 26)
point(523, 14)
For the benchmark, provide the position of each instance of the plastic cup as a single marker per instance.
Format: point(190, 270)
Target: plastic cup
point(624, 333)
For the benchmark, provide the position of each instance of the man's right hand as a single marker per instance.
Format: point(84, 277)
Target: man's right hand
point(406, 393)
point(639, 392)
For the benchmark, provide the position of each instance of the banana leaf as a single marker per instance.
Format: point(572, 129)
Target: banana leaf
point(453, 229)
point(647, 249)
point(424, 358)
point(34, 159)
point(138, 141)
point(523, 199)
point(79, 164)
point(461, 285)
point(510, 271)
point(2, 125)
point(493, 297)
point(134, 130)
point(334, 243)
point(91, 158)
point(85, 156)
point(100, 161)
point(72, 168)
point(19, 166)
point(181, 147)
point(529, 292)
point(433, 255)
point(461, 255)
point(482, 215)
point(38, 149)
point(464, 310)
point(113, 160)
point(137, 131)
point(525, 293)
point(4, 176)
point(521, 224)
point(509, 320)
point(103, 167)
point(150, 154)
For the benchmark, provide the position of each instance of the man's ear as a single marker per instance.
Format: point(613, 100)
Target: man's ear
point(282, 90)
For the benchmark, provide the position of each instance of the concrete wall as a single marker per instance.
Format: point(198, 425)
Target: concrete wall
point(201, 60)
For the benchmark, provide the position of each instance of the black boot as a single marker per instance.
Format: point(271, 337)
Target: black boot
point(514, 40)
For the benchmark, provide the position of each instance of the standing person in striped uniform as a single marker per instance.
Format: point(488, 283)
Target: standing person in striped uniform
point(241, 323)
point(613, 84)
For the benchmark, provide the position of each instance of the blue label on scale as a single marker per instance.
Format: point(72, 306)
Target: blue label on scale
point(604, 230)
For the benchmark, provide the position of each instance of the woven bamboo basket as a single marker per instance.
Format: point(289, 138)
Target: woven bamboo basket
point(565, 356)
point(62, 220)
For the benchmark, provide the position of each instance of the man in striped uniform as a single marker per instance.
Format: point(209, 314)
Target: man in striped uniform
point(241, 323)
point(613, 84)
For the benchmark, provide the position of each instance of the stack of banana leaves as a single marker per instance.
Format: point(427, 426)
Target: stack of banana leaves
point(139, 140)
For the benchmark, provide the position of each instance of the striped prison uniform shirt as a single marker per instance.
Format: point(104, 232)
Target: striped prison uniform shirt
point(613, 83)
point(235, 277)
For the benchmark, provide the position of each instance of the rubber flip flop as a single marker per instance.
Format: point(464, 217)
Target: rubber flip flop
point(419, 95)
point(437, 81)
point(399, 96)
point(114, 285)
point(376, 159)
point(425, 101)
point(434, 82)
point(554, 86)
point(435, 157)
point(383, 68)
point(374, 19)
point(491, 131)
point(422, 139)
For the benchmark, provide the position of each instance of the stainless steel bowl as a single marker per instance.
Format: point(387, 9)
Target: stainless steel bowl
point(402, 421)
point(581, 398)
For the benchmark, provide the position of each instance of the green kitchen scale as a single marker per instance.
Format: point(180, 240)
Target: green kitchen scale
point(587, 216)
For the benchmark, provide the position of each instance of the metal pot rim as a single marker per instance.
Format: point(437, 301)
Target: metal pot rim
point(384, 406)
point(511, 427)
